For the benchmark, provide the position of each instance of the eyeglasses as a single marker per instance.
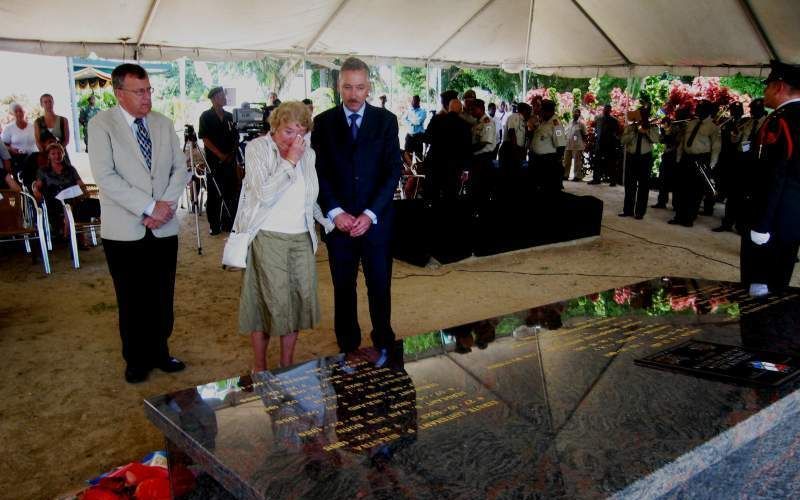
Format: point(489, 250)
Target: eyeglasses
point(140, 92)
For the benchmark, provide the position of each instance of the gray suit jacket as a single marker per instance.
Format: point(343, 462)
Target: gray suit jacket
point(127, 187)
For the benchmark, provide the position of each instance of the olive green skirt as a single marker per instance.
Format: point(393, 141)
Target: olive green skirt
point(279, 291)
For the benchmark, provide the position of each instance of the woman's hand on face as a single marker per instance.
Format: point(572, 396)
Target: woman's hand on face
point(296, 149)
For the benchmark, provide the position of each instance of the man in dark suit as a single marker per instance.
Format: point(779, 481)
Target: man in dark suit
point(358, 165)
point(141, 171)
point(769, 248)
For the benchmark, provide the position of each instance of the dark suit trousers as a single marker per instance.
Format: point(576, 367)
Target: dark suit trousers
point(344, 255)
point(637, 183)
point(225, 177)
point(143, 272)
point(771, 263)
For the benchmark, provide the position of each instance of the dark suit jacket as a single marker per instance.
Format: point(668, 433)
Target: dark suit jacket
point(780, 167)
point(359, 175)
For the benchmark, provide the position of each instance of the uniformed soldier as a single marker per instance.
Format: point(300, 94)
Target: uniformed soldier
point(484, 136)
point(576, 142)
point(729, 145)
point(737, 177)
point(769, 247)
point(544, 162)
point(671, 137)
point(697, 156)
point(512, 152)
point(466, 113)
point(638, 139)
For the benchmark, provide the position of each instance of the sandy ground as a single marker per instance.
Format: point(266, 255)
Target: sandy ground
point(66, 414)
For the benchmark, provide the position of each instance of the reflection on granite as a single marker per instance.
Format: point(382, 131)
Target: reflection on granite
point(545, 402)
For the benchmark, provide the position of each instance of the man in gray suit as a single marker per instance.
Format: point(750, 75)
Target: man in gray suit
point(140, 170)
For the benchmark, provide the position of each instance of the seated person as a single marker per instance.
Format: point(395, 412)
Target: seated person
point(54, 177)
point(7, 180)
point(36, 161)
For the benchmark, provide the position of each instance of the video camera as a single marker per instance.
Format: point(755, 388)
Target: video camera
point(189, 134)
point(250, 120)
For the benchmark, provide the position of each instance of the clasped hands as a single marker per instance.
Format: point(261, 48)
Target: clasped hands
point(162, 213)
point(355, 226)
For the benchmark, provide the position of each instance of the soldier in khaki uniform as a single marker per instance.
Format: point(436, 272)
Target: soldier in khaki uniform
point(699, 148)
point(484, 136)
point(576, 142)
point(547, 137)
point(638, 139)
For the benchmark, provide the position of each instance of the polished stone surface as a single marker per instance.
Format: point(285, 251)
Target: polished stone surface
point(540, 403)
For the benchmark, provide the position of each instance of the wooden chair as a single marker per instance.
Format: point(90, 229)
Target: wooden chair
point(21, 219)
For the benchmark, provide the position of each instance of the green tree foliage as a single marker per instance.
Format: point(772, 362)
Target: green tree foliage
point(560, 83)
point(504, 85)
point(750, 85)
point(655, 90)
point(602, 86)
point(195, 88)
point(413, 80)
point(270, 73)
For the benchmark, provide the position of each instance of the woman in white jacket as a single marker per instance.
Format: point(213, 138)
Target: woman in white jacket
point(278, 206)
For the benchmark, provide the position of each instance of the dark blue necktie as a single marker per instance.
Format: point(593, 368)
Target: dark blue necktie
point(354, 125)
point(143, 137)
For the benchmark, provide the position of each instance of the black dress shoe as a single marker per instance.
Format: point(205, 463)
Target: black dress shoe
point(213, 232)
point(135, 374)
point(722, 229)
point(171, 365)
point(593, 182)
point(673, 221)
point(638, 217)
point(687, 224)
point(658, 205)
point(623, 214)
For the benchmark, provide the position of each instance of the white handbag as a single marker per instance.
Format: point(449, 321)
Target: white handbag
point(235, 252)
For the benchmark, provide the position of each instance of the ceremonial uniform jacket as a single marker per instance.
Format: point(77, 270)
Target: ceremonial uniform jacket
point(707, 140)
point(778, 156)
point(515, 122)
point(630, 138)
point(547, 137)
point(484, 131)
point(748, 133)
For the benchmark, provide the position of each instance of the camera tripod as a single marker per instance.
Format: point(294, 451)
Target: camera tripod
point(195, 202)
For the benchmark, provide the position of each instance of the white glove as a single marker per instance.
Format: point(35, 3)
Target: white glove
point(759, 238)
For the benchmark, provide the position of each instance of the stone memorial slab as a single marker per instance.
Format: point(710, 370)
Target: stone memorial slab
point(726, 362)
point(542, 403)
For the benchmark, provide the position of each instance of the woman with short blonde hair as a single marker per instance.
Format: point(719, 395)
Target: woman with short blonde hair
point(277, 207)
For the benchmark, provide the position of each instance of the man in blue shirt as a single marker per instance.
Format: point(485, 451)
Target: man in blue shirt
point(415, 119)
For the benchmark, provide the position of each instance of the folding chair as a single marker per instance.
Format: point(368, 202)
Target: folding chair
point(74, 228)
point(21, 219)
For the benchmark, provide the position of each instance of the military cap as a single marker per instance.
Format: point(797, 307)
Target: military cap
point(215, 91)
point(789, 73)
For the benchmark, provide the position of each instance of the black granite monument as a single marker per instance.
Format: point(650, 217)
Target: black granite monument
point(542, 403)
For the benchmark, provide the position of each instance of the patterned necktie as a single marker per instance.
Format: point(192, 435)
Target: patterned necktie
point(143, 137)
point(693, 134)
point(354, 125)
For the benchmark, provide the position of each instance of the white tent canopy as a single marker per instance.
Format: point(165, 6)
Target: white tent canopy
point(568, 37)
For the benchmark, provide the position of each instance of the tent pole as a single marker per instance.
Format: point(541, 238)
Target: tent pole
point(73, 102)
point(182, 77)
point(305, 78)
point(524, 84)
